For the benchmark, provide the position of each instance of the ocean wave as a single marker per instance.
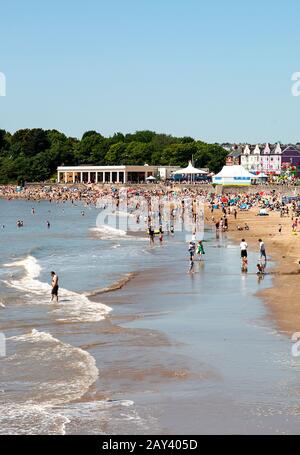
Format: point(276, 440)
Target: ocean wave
point(72, 307)
point(104, 417)
point(60, 373)
point(30, 419)
point(108, 232)
point(53, 398)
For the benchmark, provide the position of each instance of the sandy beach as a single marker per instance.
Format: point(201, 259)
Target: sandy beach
point(150, 347)
point(283, 249)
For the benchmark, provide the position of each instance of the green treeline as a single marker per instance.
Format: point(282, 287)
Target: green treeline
point(32, 155)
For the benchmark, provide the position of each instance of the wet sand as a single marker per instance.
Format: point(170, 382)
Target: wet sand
point(214, 359)
point(282, 299)
point(193, 353)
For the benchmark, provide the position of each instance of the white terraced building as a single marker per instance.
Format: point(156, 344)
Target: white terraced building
point(112, 174)
point(262, 160)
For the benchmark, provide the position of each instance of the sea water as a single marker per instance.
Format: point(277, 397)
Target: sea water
point(169, 352)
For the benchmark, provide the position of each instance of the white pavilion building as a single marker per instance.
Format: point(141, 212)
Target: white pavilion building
point(112, 174)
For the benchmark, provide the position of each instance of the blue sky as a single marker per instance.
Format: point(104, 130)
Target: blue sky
point(216, 70)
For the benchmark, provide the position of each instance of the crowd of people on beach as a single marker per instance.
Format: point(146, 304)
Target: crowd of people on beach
point(182, 202)
point(261, 265)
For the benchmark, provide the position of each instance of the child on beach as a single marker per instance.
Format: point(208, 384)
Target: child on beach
point(260, 269)
point(192, 250)
point(244, 264)
point(200, 249)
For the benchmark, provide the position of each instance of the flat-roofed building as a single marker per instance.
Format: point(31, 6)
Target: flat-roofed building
point(111, 174)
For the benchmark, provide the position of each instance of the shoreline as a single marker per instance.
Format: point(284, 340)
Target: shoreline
point(163, 319)
point(284, 248)
point(284, 251)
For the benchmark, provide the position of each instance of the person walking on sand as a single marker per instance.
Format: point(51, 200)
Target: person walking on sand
point(192, 250)
point(243, 247)
point(200, 250)
point(54, 286)
point(262, 250)
point(161, 234)
point(151, 235)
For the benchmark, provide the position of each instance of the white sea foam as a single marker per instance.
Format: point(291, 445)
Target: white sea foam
point(33, 337)
point(91, 417)
point(106, 232)
point(49, 402)
point(73, 307)
point(60, 373)
point(103, 417)
point(31, 419)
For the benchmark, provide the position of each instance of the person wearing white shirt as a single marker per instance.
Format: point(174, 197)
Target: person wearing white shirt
point(262, 250)
point(243, 246)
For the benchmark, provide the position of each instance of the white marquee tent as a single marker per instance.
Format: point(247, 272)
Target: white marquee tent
point(189, 171)
point(233, 175)
point(262, 175)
